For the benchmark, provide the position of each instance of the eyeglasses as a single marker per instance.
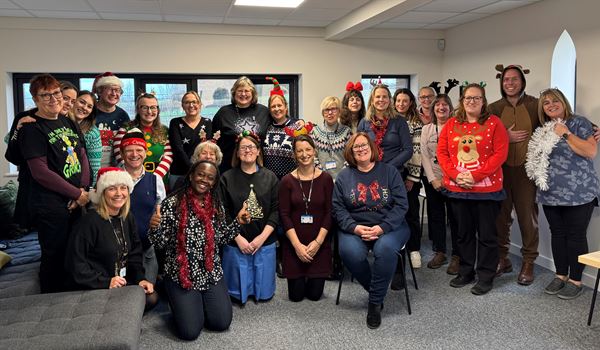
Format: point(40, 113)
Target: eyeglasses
point(117, 91)
point(248, 148)
point(189, 103)
point(426, 97)
point(49, 95)
point(149, 108)
point(243, 92)
point(330, 110)
point(360, 146)
point(469, 99)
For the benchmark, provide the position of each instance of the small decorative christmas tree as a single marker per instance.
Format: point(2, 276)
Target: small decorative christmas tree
point(254, 207)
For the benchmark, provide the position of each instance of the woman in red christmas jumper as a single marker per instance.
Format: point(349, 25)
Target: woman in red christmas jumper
point(471, 149)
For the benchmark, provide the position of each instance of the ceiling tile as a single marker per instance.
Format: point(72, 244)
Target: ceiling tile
point(126, 6)
point(131, 16)
point(500, 6)
point(317, 14)
point(14, 13)
point(333, 4)
point(252, 21)
point(454, 5)
point(5, 4)
point(65, 14)
point(304, 23)
point(54, 5)
point(423, 17)
point(465, 17)
point(440, 26)
point(193, 19)
point(200, 8)
point(399, 25)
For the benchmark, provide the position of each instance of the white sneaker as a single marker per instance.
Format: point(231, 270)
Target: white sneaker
point(415, 259)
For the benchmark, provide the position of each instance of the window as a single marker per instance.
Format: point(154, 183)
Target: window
point(169, 89)
point(393, 82)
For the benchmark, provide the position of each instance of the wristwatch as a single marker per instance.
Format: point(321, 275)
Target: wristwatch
point(566, 135)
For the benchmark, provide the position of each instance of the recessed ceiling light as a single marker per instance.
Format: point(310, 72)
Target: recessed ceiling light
point(269, 3)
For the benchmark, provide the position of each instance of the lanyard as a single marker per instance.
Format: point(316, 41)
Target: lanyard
point(304, 198)
point(122, 242)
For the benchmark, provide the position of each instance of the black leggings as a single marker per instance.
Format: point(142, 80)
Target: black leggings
point(310, 288)
point(193, 309)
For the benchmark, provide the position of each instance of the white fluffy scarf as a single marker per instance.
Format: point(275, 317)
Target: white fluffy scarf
point(543, 140)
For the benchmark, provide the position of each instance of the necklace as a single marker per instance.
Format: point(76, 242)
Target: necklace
point(122, 250)
point(306, 199)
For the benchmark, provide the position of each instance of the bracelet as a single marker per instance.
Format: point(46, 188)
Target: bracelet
point(318, 242)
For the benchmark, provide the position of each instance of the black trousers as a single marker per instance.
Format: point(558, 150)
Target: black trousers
point(477, 237)
point(413, 219)
point(568, 229)
point(54, 222)
point(438, 206)
point(310, 288)
point(193, 310)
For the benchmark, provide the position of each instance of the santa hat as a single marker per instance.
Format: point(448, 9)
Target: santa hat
point(133, 137)
point(276, 88)
point(104, 79)
point(110, 176)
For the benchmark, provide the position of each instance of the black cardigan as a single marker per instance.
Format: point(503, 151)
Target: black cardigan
point(92, 252)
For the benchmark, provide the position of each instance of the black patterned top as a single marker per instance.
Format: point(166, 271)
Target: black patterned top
point(164, 239)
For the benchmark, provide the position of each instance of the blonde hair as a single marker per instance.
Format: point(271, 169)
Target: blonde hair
point(553, 93)
point(211, 146)
point(330, 101)
point(102, 207)
point(244, 81)
point(390, 112)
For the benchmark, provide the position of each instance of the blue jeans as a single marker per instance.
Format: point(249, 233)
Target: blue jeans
point(376, 279)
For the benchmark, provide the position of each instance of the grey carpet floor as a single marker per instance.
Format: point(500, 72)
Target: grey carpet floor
point(509, 317)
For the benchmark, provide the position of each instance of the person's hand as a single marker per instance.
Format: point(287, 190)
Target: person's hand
point(302, 253)
point(465, 180)
point(83, 199)
point(243, 217)
point(257, 242)
point(515, 136)
point(362, 230)
point(148, 287)
point(377, 230)
point(117, 282)
point(155, 219)
point(437, 184)
point(409, 185)
point(560, 129)
point(596, 133)
point(313, 248)
point(25, 120)
point(244, 246)
point(299, 124)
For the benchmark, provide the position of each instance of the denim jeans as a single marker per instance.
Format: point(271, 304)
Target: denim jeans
point(375, 279)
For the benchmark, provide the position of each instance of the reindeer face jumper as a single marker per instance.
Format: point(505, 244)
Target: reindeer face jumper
point(480, 149)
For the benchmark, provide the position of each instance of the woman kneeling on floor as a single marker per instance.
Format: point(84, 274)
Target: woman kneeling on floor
point(104, 249)
point(369, 202)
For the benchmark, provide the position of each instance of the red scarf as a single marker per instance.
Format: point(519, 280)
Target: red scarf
point(379, 129)
point(205, 214)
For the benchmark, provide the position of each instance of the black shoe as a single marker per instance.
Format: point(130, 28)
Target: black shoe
point(398, 282)
point(374, 316)
point(482, 288)
point(461, 281)
point(279, 270)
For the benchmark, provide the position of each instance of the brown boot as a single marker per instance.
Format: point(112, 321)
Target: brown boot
point(526, 275)
point(437, 261)
point(504, 266)
point(453, 266)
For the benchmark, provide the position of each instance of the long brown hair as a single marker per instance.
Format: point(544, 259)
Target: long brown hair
point(346, 114)
point(88, 122)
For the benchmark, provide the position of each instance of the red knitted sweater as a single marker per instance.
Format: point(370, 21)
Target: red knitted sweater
point(480, 149)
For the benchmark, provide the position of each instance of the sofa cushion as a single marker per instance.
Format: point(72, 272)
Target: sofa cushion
point(20, 280)
point(96, 319)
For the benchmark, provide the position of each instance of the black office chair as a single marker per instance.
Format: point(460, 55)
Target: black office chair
point(402, 257)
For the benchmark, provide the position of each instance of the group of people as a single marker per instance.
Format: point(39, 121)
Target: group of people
point(209, 208)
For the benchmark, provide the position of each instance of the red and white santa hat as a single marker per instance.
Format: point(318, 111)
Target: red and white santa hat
point(110, 176)
point(106, 78)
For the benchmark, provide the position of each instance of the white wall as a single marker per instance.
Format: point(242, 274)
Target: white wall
point(527, 36)
point(45, 45)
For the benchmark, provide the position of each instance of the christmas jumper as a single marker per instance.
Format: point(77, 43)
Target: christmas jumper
point(158, 155)
point(109, 124)
point(184, 139)
point(330, 144)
